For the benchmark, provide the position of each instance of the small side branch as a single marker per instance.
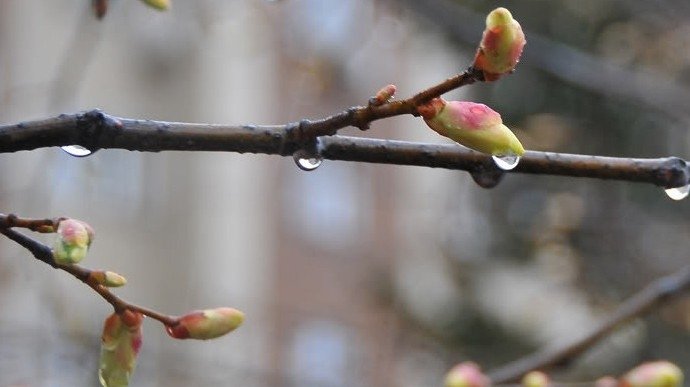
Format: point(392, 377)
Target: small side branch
point(654, 295)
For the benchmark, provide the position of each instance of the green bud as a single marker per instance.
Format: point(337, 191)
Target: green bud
point(108, 278)
point(120, 345)
point(535, 379)
point(160, 5)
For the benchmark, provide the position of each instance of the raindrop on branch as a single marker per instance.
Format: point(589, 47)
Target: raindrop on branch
point(76, 150)
point(506, 162)
point(678, 193)
point(306, 161)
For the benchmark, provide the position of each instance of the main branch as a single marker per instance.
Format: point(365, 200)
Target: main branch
point(97, 130)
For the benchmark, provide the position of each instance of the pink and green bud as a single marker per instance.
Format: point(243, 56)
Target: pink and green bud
point(108, 279)
point(73, 240)
point(466, 374)
point(501, 46)
point(160, 5)
point(535, 379)
point(383, 95)
point(653, 374)
point(120, 345)
point(206, 324)
point(473, 125)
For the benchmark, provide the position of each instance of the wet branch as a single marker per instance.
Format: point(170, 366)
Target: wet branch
point(97, 130)
point(657, 293)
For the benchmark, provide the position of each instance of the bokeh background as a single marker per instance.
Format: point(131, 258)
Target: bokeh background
point(354, 274)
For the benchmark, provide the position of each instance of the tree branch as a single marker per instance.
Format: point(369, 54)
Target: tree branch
point(97, 130)
point(654, 295)
point(44, 254)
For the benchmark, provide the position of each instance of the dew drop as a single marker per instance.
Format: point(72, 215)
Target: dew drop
point(506, 162)
point(678, 193)
point(306, 161)
point(76, 150)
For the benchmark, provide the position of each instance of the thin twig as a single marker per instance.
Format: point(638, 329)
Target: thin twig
point(97, 130)
point(654, 295)
point(44, 254)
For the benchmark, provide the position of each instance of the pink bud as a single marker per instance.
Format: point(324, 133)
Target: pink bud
point(653, 374)
point(535, 379)
point(73, 240)
point(501, 45)
point(120, 345)
point(383, 95)
point(206, 324)
point(473, 125)
point(466, 374)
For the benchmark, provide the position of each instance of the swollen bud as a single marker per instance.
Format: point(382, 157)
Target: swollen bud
point(120, 345)
point(108, 279)
point(501, 45)
point(535, 379)
point(73, 240)
point(206, 324)
point(466, 374)
point(160, 5)
point(473, 125)
point(653, 374)
point(383, 95)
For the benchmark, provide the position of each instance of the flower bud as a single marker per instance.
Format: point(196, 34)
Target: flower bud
point(501, 45)
point(653, 374)
point(383, 95)
point(120, 345)
point(466, 374)
point(206, 324)
point(108, 278)
point(535, 379)
point(473, 125)
point(73, 240)
point(160, 5)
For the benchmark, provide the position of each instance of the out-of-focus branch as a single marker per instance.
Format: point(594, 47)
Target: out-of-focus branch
point(44, 254)
point(657, 293)
point(97, 130)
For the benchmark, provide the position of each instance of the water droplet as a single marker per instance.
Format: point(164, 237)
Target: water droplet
point(306, 161)
point(678, 193)
point(506, 162)
point(76, 150)
point(487, 178)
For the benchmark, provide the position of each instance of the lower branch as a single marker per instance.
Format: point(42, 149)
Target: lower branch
point(655, 294)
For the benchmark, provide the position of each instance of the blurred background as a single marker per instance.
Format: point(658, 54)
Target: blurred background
point(353, 274)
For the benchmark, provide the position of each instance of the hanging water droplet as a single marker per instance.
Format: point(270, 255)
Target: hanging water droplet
point(506, 162)
point(305, 161)
point(76, 150)
point(678, 193)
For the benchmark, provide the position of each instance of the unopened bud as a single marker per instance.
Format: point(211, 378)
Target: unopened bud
point(73, 240)
point(160, 5)
point(206, 324)
point(108, 278)
point(501, 45)
point(653, 374)
point(120, 345)
point(383, 95)
point(473, 125)
point(535, 379)
point(466, 374)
